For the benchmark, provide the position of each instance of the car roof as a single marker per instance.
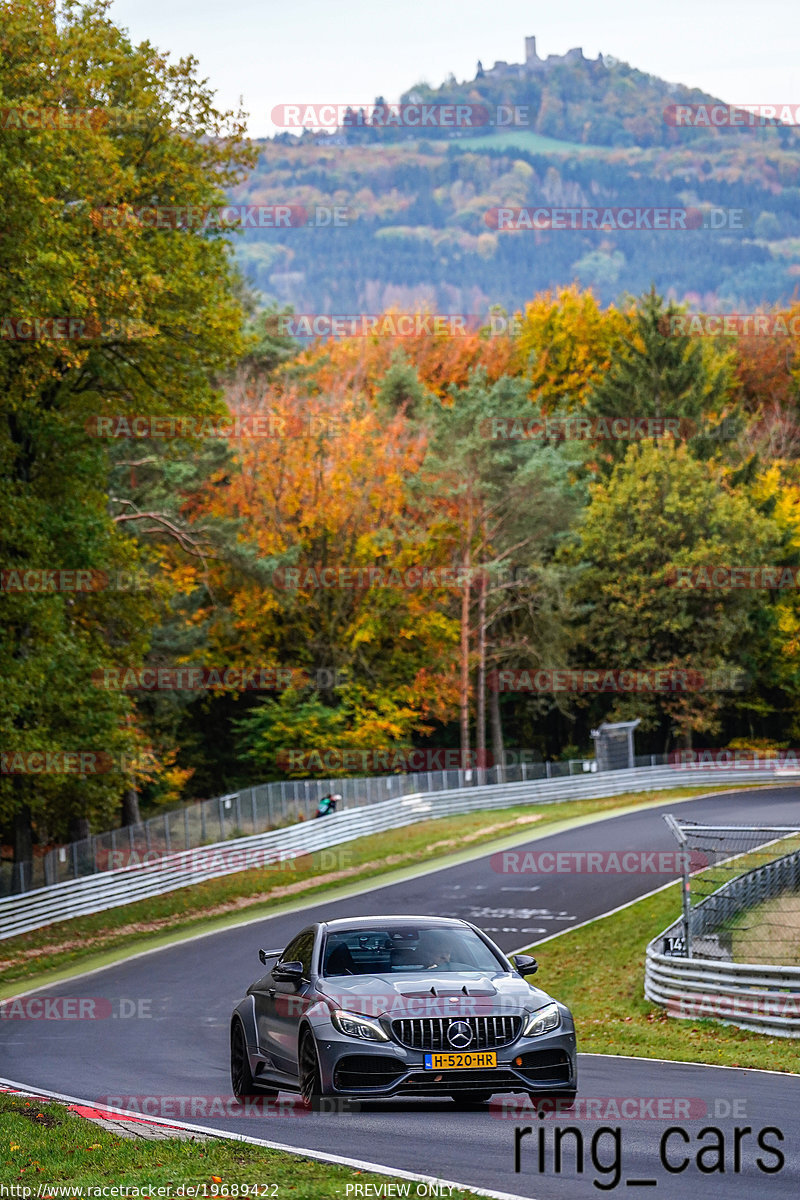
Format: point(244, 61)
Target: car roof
point(412, 919)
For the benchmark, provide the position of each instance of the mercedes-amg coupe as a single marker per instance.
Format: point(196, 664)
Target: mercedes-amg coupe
point(399, 1006)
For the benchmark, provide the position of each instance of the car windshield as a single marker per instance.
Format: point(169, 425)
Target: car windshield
point(393, 949)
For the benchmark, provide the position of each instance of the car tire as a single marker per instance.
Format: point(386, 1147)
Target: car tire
point(468, 1099)
point(242, 1082)
point(310, 1077)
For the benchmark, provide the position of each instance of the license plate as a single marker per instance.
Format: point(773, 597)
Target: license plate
point(461, 1060)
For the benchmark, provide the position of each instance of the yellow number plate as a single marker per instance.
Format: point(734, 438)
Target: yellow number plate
point(461, 1060)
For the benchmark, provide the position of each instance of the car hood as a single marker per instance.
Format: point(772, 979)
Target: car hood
point(430, 994)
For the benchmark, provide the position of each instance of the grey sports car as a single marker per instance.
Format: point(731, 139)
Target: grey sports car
point(399, 1006)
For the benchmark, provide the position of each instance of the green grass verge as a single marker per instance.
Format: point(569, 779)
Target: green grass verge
point(57, 950)
point(45, 1145)
point(599, 972)
point(768, 933)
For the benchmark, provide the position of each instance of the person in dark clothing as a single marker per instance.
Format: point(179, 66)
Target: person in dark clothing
point(327, 805)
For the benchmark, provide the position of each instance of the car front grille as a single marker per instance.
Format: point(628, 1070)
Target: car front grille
point(430, 1033)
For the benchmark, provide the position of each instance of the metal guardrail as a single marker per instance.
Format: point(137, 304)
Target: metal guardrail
point(753, 996)
point(254, 810)
point(61, 901)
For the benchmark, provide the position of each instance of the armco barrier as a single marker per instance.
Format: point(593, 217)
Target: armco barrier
point(765, 999)
point(95, 893)
point(260, 808)
point(754, 996)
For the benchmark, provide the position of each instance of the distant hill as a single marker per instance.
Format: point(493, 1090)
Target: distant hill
point(597, 102)
point(595, 134)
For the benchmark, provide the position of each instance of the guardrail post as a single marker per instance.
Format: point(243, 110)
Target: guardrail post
point(253, 806)
point(203, 820)
point(167, 839)
point(186, 829)
point(547, 769)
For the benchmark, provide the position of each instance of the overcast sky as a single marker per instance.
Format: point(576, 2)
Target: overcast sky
point(272, 52)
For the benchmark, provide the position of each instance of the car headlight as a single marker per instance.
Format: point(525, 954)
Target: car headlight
point(542, 1021)
point(358, 1027)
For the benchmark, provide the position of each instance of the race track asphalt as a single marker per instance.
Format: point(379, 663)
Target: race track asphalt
point(166, 1049)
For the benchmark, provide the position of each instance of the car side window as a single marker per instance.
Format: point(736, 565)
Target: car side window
point(300, 950)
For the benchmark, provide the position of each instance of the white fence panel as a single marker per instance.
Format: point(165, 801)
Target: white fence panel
point(109, 889)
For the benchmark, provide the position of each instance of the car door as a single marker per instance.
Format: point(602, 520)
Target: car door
point(283, 1004)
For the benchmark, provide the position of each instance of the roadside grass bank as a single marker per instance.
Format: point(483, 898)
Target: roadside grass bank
point(57, 950)
point(44, 1147)
point(598, 971)
point(769, 933)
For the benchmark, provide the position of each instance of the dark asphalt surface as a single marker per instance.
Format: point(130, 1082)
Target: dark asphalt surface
point(164, 1048)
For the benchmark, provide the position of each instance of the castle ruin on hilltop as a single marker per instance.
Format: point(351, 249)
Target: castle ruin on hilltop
point(534, 64)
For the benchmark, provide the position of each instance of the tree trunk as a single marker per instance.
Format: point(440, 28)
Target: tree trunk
point(23, 848)
point(498, 747)
point(130, 807)
point(480, 704)
point(79, 829)
point(466, 596)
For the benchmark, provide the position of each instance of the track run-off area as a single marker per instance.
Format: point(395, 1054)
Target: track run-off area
point(164, 1050)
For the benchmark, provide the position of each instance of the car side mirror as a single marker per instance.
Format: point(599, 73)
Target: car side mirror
point(525, 964)
point(290, 971)
point(266, 955)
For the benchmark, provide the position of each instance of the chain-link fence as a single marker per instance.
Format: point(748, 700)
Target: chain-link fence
point(741, 893)
point(255, 810)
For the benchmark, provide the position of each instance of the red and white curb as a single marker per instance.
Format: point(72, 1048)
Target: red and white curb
point(89, 1110)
